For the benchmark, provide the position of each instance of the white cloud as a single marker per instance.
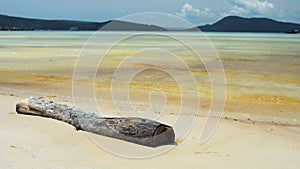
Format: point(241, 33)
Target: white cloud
point(188, 10)
point(251, 8)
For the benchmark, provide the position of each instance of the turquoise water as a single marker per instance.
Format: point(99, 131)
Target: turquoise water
point(262, 70)
point(258, 63)
point(256, 44)
point(61, 49)
point(227, 44)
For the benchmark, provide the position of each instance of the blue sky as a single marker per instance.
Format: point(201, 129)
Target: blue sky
point(196, 11)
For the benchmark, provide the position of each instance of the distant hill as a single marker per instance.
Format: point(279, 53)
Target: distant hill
point(227, 24)
point(19, 23)
point(239, 24)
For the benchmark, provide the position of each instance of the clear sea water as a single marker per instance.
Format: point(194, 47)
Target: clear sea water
point(258, 66)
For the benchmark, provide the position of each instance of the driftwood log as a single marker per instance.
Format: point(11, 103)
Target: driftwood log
point(136, 130)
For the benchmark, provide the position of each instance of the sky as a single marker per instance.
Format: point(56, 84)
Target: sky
point(198, 12)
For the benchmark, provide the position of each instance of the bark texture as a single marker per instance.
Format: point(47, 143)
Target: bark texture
point(136, 130)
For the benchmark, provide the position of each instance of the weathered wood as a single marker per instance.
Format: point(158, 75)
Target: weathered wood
point(136, 130)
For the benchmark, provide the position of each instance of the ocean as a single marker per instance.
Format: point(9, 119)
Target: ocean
point(259, 68)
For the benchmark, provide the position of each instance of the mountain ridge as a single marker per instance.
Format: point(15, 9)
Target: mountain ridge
point(20, 23)
point(226, 24)
point(240, 24)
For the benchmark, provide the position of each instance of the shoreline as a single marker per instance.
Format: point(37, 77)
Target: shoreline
point(267, 119)
point(33, 142)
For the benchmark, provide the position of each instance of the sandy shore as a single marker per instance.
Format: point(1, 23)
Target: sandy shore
point(34, 142)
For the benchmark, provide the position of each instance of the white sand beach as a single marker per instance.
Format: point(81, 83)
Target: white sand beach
point(36, 142)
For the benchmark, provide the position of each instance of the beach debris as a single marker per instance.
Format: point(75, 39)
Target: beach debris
point(132, 129)
point(12, 146)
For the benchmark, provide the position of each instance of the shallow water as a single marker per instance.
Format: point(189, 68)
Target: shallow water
point(259, 67)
